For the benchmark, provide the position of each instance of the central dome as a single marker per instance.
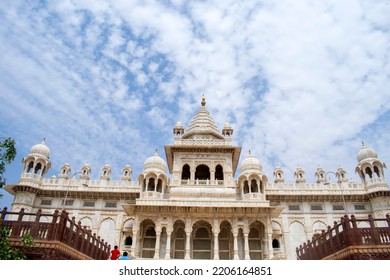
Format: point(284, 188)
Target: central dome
point(202, 124)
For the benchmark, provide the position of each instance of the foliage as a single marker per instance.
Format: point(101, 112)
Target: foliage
point(7, 155)
point(7, 252)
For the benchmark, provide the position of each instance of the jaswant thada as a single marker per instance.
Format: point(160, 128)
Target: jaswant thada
point(210, 206)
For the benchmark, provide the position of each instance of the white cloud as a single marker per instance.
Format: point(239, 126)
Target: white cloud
point(301, 82)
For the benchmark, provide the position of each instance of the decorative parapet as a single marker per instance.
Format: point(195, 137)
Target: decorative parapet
point(203, 142)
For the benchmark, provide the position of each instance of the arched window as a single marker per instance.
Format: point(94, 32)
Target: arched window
point(246, 187)
point(151, 185)
point(275, 244)
point(369, 172)
point(225, 242)
point(179, 243)
point(149, 243)
point(376, 171)
point(254, 187)
point(202, 172)
point(129, 241)
point(159, 186)
point(254, 240)
point(186, 172)
point(38, 167)
point(30, 166)
point(218, 172)
point(202, 244)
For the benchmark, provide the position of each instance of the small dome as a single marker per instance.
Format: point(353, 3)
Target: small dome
point(86, 167)
point(179, 124)
point(366, 153)
point(155, 162)
point(250, 164)
point(227, 125)
point(40, 149)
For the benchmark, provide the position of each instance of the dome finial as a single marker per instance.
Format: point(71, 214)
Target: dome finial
point(203, 101)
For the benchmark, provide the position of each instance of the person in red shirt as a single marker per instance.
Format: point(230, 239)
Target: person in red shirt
point(115, 253)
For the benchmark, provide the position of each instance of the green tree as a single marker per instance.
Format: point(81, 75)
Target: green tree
point(7, 155)
point(7, 252)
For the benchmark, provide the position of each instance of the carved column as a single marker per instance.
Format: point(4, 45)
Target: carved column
point(235, 245)
point(246, 246)
point(134, 245)
point(168, 248)
point(157, 245)
point(270, 249)
point(188, 230)
point(192, 173)
point(212, 174)
point(216, 246)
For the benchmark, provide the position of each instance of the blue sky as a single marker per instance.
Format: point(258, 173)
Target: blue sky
point(301, 82)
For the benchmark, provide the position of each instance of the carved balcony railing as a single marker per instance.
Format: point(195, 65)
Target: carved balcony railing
point(351, 238)
point(55, 236)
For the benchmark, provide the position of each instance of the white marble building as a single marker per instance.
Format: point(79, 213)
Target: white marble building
point(201, 211)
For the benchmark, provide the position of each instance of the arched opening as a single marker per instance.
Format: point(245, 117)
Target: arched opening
point(149, 242)
point(104, 173)
point(30, 166)
point(159, 186)
point(376, 171)
point(369, 172)
point(225, 242)
point(246, 187)
point(128, 241)
point(38, 168)
point(275, 244)
point(254, 187)
point(202, 241)
point(202, 172)
point(151, 185)
point(186, 172)
point(179, 243)
point(218, 172)
point(255, 239)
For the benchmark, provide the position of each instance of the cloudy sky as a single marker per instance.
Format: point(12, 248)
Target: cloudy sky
point(301, 82)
